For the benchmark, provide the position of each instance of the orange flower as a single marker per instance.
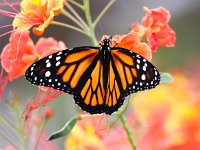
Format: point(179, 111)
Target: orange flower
point(132, 42)
point(157, 30)
point(18, 55)
point(37, 12)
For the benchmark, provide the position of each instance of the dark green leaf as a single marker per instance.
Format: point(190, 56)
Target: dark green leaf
point(64, 131)
point(166, 77)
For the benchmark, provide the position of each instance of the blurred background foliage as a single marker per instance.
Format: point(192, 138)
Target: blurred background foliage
point(184, 20)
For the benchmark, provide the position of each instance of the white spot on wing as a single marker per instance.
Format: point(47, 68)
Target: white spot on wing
point(47, 74)
point(143, 77)
point(58, 63)
point(48, 65)
point(47, 60)
point(58, 58)
point(144, 68)
point(59, 53)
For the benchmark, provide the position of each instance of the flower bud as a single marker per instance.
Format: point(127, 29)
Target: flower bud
point(48, 113)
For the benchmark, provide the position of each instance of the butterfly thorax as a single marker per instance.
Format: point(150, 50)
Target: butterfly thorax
point(105, 49)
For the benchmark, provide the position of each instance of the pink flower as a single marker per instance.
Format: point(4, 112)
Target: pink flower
point(10, 147)
point(47, 46)
point(18, 54)
point(157, 30)
point(41, 99)
point(165, 37)
point(155, 18)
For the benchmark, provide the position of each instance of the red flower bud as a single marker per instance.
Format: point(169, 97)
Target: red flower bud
point(48, 113)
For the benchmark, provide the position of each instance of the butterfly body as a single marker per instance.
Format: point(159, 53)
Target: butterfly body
point(99, 77)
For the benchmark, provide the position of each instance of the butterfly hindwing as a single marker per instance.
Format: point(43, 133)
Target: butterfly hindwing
point(91, 95)
point(129, 73)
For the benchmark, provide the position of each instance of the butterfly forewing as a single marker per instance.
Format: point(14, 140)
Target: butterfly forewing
point(61, 70)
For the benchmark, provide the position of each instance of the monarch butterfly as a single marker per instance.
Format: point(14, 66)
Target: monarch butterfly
point(99, 78)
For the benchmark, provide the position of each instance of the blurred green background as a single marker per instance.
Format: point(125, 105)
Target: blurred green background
point(185, 20)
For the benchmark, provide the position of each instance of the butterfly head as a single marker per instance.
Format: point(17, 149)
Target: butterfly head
point(106, 41)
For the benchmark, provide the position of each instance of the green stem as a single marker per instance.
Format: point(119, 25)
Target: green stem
point(128, 131)
point(76, 4)
point(120, 114)
point(103, 12)
point(84, 25)
point(89, 21)
point(70, 27)
point(68, 15)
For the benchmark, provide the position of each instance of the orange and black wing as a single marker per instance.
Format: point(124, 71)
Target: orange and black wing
point(128, 73)
point(76, 71)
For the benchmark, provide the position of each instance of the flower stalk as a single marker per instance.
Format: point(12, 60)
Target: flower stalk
point(69, 26)
point(128, 131)
point(89, 21)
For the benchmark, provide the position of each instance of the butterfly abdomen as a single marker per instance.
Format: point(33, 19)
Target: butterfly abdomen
point(105, 56)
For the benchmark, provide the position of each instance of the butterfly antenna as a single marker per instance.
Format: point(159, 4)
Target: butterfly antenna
point(115, 45)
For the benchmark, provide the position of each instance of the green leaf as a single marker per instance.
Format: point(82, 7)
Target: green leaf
point(166, 77)
point(64, 131)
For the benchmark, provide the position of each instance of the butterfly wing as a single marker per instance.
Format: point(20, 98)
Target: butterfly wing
point(76, 71)
point(128, 73)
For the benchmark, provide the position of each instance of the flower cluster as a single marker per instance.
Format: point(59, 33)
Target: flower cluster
point(156, 28)
point(171, 118)
point(21, 52)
